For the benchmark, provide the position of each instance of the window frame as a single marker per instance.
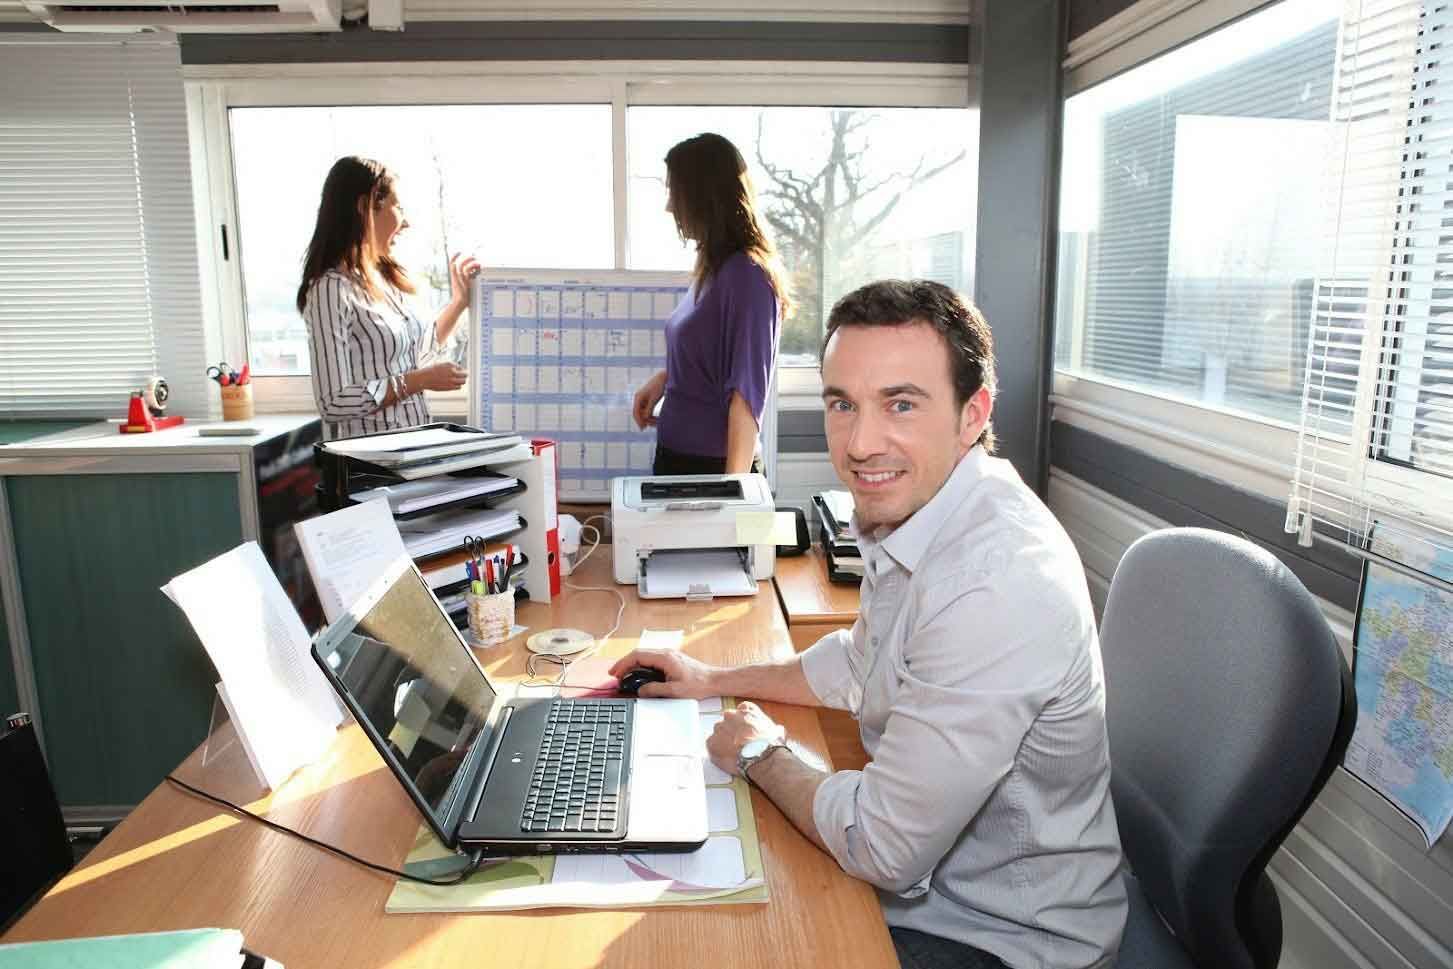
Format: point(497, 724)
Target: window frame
point(212, 90)
point(1250, 451)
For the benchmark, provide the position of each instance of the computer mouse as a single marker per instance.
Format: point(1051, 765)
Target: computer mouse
point(632, 682)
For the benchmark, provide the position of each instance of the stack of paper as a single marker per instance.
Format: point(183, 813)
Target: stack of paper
point(445, 531)
point(423, 444)
point(283, 708)
point(187, 949)
point(839, 540)
point(461, 462)
point(410, 496)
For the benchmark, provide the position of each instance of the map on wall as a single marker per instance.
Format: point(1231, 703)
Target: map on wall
point(1403, 744)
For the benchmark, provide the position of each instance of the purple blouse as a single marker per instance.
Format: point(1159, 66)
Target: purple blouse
point(724, 341)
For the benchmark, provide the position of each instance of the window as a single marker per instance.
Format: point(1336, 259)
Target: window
point(849, 195)
point(531, 161)
point(1189, 214)
point(516, 185)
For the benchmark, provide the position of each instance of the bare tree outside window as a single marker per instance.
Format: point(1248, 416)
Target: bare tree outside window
point(849, 195)
point(825, 219)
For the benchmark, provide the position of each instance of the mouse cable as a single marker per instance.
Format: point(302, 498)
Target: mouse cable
point(474, 859)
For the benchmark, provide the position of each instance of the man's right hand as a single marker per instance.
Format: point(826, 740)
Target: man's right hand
point(439, 376)
point(686, 678)
point(646, 399)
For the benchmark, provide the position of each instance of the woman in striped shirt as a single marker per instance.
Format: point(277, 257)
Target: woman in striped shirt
point(372, 357)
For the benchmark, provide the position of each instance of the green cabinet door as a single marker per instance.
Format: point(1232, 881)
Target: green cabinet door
point(125, 687)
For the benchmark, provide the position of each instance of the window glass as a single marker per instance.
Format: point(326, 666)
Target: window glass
point(516, 185)
point(1190, 212)
point(850, 195)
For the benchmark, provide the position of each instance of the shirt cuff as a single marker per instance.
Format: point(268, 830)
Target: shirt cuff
point(377, 388)
point(835, 812)
point(829, 675)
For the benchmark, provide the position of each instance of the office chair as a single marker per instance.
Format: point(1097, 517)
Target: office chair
point(1228, 704)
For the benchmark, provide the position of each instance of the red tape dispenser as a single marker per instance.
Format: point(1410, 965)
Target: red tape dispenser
point(148, 409)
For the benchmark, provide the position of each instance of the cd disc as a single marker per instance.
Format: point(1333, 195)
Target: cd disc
point(559, 642)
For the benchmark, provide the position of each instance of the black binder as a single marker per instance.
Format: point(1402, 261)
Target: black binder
point(844, 562)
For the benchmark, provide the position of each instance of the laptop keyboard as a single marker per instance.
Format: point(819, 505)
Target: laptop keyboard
point(577, 781)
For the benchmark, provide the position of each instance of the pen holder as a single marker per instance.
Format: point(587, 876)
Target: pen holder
point(237, 402)
point(491, 617)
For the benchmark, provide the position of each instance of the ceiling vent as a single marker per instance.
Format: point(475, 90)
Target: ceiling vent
point(211, 17)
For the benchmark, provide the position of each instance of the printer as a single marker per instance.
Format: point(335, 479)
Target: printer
point(677, 536)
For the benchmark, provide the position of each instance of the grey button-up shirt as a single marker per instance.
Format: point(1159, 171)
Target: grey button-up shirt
point(974, 672)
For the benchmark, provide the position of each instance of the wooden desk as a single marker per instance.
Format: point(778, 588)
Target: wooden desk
point(177, 862)
point(815, 606)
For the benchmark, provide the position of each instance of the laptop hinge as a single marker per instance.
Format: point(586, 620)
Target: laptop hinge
point(481, 777)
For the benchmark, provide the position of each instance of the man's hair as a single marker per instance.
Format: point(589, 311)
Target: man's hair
point(899, 302)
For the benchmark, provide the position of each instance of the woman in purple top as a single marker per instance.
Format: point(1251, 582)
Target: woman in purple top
point(721, 342)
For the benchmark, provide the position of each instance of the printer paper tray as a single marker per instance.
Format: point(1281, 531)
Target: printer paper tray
point(695, 574)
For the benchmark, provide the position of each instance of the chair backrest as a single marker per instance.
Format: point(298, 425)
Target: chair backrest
point(1228, 703)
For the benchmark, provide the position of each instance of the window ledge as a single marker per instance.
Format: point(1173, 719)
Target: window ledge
point(1250, 454)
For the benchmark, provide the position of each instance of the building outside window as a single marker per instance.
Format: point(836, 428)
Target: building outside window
point(1191, 212)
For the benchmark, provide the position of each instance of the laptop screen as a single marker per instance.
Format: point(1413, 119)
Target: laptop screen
point(416, 685)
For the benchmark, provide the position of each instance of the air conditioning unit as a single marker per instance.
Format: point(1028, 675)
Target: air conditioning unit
point(181, 16)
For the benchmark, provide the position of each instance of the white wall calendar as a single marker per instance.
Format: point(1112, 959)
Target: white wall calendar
point(560, 354)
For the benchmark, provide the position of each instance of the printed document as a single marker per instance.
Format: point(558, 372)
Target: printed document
point(347, 550)
point(278, 698)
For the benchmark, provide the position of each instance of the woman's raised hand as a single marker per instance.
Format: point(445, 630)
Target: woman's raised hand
point(462, 270)
point(440, 376)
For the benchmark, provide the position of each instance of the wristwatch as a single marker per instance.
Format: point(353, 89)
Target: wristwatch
point(754, 751)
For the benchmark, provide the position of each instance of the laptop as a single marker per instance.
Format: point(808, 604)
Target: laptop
point(510, 775)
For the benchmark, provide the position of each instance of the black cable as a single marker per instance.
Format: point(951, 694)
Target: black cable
point(474, 859)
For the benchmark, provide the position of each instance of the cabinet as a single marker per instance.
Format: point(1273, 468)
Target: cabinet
point(92, 524)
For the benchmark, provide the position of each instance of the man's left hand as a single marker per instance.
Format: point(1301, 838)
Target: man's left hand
point(746, 722)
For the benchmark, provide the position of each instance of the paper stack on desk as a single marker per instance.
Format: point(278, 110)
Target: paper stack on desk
point(410, 496)
point(445, 531)
point(412, 447)
point(839, 541)
point(282, 707)
point(427, 451)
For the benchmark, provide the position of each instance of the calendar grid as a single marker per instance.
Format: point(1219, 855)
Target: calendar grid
point(561, 356)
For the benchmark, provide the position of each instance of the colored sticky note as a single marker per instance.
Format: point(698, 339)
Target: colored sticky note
point(766, 528)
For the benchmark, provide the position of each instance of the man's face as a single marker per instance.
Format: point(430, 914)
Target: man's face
point(894, 431)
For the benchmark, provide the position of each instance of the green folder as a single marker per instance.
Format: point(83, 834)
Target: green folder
point(189, 949)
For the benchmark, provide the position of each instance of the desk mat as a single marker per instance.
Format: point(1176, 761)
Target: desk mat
point(727, 870)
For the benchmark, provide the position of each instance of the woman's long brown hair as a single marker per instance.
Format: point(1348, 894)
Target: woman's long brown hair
point(715, 205)
point(343, 233)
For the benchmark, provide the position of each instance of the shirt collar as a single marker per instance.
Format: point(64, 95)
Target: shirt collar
point(907, 543)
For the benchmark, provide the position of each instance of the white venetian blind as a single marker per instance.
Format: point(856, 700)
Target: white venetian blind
point(1376, 442)
point(98, 261)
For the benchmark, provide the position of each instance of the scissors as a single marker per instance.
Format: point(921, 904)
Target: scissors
point(222, 373)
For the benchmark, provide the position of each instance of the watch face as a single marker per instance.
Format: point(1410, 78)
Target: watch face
point(753, 748)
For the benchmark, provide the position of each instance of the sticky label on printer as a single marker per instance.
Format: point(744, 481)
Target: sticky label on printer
point(766, 528)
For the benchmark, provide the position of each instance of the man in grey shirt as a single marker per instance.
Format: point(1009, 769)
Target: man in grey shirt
point(984, 816)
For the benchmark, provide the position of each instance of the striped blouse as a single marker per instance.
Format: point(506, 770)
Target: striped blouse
point(356, 345)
